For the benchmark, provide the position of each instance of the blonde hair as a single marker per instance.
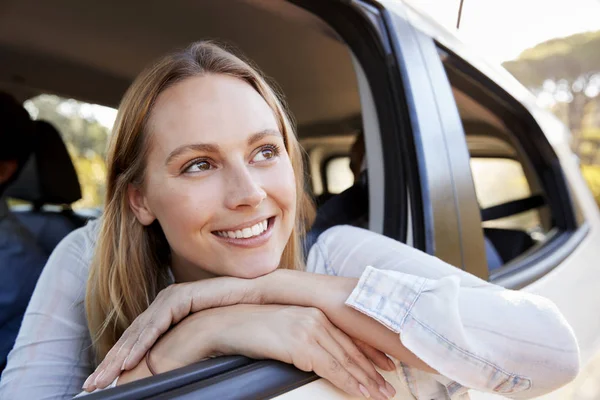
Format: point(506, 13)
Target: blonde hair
point(131, 260)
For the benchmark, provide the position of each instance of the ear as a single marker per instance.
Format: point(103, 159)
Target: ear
point(7, 170)
point(139, 205)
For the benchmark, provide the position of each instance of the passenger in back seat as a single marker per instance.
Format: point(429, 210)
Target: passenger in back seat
point(351, 207)
point(21, 259)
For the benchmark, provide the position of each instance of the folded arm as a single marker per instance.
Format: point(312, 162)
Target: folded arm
point(415, 307)
point(476, 334)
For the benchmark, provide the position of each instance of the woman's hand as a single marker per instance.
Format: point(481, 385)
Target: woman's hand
point(172, 305)
point(300, 336)
point(304, 337)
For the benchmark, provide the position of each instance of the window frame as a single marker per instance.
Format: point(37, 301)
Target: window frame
point(443, 201)
point(545, 163)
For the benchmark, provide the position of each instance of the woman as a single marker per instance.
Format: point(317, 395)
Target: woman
point(205, 189)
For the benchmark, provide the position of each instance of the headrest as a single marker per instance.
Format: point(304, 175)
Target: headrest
point(48, 176)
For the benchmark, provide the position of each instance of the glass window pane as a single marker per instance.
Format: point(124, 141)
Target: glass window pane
point(339, 175)
point(500, 180)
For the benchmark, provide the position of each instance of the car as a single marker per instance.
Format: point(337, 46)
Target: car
point(460, 160)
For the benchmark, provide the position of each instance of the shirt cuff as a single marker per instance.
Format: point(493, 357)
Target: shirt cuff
point(386, 297)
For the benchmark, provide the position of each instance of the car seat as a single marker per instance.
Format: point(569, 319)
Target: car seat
point(48, 178)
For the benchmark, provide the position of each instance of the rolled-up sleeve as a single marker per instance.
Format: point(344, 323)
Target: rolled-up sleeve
point(475, 334)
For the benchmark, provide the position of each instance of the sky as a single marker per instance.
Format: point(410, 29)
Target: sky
point(501, 29)
point(498, 29)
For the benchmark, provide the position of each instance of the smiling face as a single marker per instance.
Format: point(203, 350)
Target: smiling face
point(218, 179)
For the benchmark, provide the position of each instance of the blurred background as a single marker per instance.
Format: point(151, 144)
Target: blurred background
point(551, 46)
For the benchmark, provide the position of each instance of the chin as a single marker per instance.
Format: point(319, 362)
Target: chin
point(254, 271)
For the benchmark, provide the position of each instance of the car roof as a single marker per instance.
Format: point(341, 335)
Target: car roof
point(91, 51)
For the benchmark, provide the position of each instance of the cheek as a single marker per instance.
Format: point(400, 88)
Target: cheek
point(281, 186)
point(183, 206)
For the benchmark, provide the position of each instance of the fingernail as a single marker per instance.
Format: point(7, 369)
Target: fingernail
point(364, 391)
point(391, 364)
point(98, 378)
point(390, 388)
point(86, 383)
point(384, 391)
point(124, 363)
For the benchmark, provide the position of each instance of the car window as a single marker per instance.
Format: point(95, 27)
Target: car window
point(501, 180)
point(338, 174)
point(85, 129)
point(517, 177)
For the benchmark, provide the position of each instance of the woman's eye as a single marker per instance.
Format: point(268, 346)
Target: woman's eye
point(265, 154)
point(198, 166)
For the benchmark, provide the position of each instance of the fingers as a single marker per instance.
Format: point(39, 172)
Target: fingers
point(377, 357)
point(109, 368)
point(141, 333)
point(350, 367)
point(326, 366)
point(139, 337)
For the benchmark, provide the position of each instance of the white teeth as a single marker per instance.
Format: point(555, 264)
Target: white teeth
point(246, 232)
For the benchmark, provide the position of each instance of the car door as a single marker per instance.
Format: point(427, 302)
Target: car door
point(560, 265)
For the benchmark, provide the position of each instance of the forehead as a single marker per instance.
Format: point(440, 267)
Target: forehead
point(212, 108)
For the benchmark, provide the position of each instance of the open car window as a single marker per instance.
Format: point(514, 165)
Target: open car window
point(525, 205)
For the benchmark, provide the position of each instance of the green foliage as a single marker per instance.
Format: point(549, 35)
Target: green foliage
point(86, 140)
point(591, 173)
point(564, 58)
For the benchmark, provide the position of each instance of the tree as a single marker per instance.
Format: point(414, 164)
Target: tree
point(565, 71)
point(86, 140)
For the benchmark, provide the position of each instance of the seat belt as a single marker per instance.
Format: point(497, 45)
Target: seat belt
point(512, 208)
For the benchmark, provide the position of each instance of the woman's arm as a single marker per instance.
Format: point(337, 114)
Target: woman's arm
point(51, 357)
point(300, 336)
point(477, 334)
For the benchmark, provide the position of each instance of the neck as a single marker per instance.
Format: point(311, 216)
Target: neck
point(184, 271)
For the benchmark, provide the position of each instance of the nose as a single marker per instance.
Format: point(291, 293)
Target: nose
point(243, 189)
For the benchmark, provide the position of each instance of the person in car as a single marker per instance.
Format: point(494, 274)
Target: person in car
point(199, 254)
point(21, 258)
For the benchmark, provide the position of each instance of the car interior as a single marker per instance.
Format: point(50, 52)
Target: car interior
point(91, 52)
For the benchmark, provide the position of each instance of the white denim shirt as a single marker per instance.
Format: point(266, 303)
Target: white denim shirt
point(475, 334)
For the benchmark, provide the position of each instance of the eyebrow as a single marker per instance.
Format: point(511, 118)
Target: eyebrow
point(214, 148)
point(260, 135)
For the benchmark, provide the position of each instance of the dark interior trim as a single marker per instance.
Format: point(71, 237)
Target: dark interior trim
point(182, 377)
point(361, 25)
point(259, 380)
